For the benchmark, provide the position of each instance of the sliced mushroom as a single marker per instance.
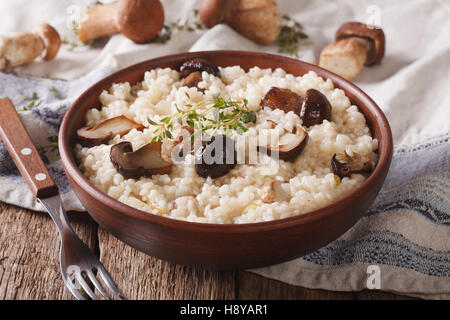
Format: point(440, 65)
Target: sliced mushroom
point(315, 108)
point(193, 79)
point(273, 191)
point(289, 146)
point(344, 164)
point(146, 161)
point(284, 99)
point(216, 158)
point(105, 130)
point(198, 65)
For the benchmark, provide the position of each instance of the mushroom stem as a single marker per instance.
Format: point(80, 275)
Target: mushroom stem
point(345, 57)
point(23, 48)
point(356, 44)
point(138, 20)
point(99, 21)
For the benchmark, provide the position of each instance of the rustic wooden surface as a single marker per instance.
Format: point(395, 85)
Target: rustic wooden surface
point(29, 267)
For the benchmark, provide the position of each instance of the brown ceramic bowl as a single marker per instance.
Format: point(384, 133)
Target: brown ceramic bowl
point(214, 245)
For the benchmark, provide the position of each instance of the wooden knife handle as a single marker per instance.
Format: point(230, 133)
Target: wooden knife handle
point(23, 152)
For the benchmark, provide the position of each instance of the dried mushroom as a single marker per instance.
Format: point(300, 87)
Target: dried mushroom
point(216, 158)
point(283, 99)
point(105, 130)
point(146, 161)
point(344, 164)
point(315, 108)
point(289, 146)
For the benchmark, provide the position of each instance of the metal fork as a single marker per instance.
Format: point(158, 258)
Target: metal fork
point(78, 264)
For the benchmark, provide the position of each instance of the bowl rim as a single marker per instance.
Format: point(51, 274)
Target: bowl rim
point(385, 155)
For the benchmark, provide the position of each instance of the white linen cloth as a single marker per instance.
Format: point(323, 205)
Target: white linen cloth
point(406, 233)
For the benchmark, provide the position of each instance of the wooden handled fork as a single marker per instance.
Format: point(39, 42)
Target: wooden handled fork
point(78, 264)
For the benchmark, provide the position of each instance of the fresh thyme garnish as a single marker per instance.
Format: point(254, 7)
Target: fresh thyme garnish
point(219, 113)
point(34, 102)
point(52, 147)
point(292, 37)
point(168, 29)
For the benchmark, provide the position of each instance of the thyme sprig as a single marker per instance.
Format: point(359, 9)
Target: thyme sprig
point(33, 102)
point(212, 115)
point(292, 37)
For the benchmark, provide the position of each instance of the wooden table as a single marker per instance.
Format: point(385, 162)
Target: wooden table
point(29, 267)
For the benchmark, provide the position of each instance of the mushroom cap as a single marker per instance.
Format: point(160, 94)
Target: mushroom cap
point(373, 33)
point(315, 108)
point(105, 130)
point(198, 64)
point(140, 20)
point(212, 12)
point(344, 164)
point(146, 161)
point(289, 146)
point(283, 99)
point(51, 38)
point(216, 158)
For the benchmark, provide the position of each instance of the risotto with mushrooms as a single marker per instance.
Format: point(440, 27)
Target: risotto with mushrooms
point(222, 145)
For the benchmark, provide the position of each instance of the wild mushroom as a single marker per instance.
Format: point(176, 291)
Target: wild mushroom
point(139, 20)
point(191, 71)
point(284, 99)
point(344, 164)
point(23, 48)
point(146, 161)
point(356, 44)
point(198, 65)
point(193, 79)
point(273, 191)
point(216, 158)
point(259, 20)
point(105, 130)
point(289, 145)
point(315, 108)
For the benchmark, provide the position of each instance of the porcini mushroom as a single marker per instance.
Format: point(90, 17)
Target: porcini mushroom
point(356, 44)
point(315, 108)
point(139, 20)
point(193, 79)
point(273, 191)
point(23, 48)
point(146, 161)
point(215, 158)
point(105, 130)
point(259, 20)
point(284, 99)
point(198, 65)
point(191, 71)
point(289, 145)
point(345, 164)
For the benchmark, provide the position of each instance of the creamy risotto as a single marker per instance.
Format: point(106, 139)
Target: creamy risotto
point(314, 173)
